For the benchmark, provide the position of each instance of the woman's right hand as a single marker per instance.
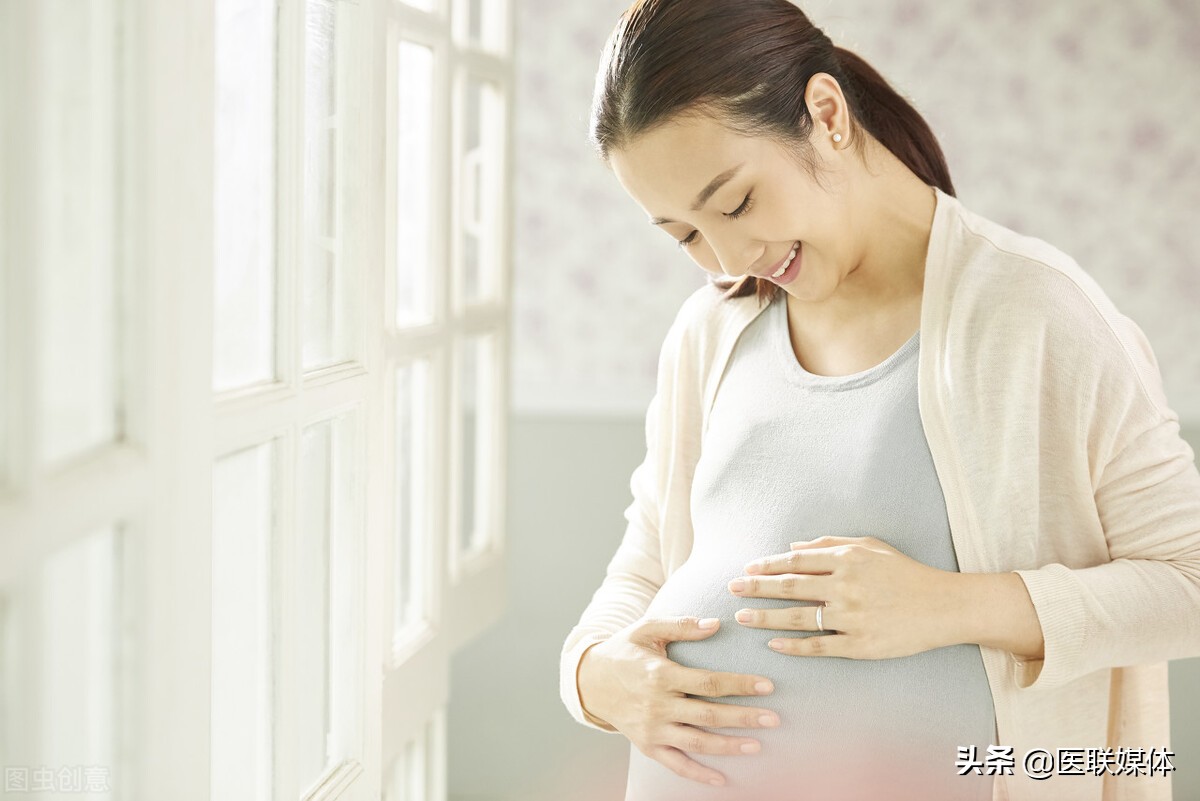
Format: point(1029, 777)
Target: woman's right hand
point(629, 682)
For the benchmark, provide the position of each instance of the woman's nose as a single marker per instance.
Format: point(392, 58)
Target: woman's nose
point(735, 260)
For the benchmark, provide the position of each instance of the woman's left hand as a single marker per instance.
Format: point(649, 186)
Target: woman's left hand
point(881, 603)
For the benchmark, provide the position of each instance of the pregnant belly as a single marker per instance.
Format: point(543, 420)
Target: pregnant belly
point(849, 728)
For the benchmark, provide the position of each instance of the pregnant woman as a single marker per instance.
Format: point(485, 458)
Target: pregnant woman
point(914, 504)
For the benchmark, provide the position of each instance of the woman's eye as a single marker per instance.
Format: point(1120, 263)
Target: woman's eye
point(742, 209)
point(733, 215)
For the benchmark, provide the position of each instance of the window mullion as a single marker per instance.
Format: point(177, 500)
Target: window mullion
point(90, 495)
point(483, 65)
point(285, 625)
point(290, 233)
point(22, 334)
point(290, 86)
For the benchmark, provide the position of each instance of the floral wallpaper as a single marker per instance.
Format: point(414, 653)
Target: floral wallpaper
point(1074, 122)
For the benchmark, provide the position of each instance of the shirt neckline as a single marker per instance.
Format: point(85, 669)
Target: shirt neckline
point(795, 371)
point(783, 342)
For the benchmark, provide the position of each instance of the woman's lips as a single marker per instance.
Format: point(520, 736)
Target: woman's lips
point(774, 268)
point(792, 269)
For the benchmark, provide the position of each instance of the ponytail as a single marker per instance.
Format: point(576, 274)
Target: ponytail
point(890, 119)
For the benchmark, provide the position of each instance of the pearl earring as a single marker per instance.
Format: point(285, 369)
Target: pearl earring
point(837, 137)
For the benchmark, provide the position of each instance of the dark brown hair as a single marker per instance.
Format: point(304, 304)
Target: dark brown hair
point(746, 62)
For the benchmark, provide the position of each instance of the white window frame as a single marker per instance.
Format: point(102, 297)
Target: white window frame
point(156, 481)
point(466, 596)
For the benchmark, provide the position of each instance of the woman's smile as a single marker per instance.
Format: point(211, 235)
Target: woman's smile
point(791, 268)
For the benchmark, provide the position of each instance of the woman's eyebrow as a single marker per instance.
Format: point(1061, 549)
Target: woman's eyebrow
point(706, 192)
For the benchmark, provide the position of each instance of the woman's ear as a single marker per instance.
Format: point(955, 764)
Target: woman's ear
point(827, 106)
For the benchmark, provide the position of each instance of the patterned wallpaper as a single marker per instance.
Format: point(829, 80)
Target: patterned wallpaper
point(1074, 122)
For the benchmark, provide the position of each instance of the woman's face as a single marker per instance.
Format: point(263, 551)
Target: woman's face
point(751, 221)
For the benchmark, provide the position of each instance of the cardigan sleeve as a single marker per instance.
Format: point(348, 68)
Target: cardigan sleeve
point(1143, 606)
point(636, 570)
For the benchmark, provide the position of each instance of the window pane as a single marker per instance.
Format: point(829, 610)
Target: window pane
point(414, 197)
point(475, 20)
point(476, 439)
point(324, 288)
point(480, 198)
point(484, 25)
point(75, 221)
point(413, 451)
point(413, 777)
point(312, 603)
point(61, 668)
point(405, 779)
point(419, 772)
point(327, 625)
point(322, 291)
point(244, 192)
point(76, 375)
point(243, 521)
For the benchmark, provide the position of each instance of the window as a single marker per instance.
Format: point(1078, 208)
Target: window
point(253, 419)
point(449, 85)
point(419, 772)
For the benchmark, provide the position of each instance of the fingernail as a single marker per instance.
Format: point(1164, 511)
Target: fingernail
point(717, 782)
point(750, 748)
point(737, 585)
point(763, 687)
point(776, 644)
point(744, 616)
point(753, 567)
point(708, 623)
point(768, 720)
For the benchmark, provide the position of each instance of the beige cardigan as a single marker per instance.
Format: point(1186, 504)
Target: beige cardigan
point(1058, 457)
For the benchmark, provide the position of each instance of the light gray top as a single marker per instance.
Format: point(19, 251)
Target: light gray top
point(790, 455)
